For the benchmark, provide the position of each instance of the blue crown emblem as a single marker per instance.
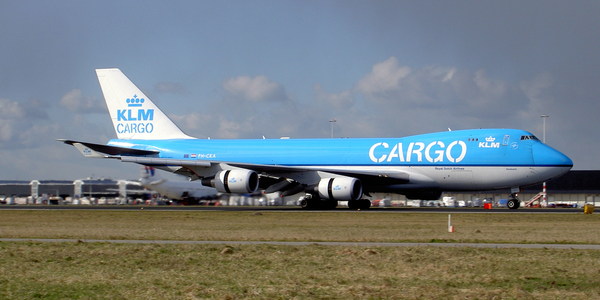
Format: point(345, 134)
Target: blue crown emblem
point(135, 101)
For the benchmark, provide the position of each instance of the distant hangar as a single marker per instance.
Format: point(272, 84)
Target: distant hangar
point(67, 188)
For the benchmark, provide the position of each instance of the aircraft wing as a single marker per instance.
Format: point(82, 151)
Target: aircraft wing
point(149, 158)
point(203, 168)
point(396, 177)
point(364, 175)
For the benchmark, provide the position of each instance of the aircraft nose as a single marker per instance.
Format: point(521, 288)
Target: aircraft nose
point(545, 155)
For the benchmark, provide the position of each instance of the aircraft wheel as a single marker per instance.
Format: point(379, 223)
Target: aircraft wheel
point(307, 204)
point(353, 204)
point(304, 203)
point(365, 204)
point(359, 204)
point(310, 201)
point(329, 204)
point(513, 204)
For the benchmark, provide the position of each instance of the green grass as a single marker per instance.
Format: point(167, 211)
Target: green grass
point(302, 226)
point(73, 270)
point(121, 271)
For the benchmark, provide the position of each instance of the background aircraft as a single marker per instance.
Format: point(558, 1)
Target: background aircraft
point(327, 170)
point(183, 192)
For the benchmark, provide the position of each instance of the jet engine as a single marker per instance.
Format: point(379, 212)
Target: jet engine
point(235, 181)
point(340, 188)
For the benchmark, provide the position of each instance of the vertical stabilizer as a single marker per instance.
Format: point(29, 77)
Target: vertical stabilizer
point(133, 114)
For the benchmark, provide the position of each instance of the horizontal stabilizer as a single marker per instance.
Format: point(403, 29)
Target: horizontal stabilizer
point(98, 150)
point(155, 161)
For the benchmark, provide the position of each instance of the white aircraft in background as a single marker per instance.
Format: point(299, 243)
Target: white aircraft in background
point(182, 191)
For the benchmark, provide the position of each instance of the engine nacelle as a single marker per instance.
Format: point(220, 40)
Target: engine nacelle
point(236, 181)
point(340, 189)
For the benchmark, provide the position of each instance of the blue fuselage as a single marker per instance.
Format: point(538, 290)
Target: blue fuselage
point(465, 159)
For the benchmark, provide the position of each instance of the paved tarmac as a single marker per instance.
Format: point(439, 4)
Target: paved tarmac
point(290, 209)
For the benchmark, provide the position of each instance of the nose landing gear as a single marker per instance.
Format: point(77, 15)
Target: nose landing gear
point(513, 202)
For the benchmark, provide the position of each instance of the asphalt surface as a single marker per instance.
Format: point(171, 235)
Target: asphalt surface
point(289, 208)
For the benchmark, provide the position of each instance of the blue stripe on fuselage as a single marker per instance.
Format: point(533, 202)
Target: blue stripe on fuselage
point(478, 147)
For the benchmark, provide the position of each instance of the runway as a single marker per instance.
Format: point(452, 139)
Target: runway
point(290, 209)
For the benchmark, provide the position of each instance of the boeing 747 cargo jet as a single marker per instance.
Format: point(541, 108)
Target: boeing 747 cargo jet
point(327, 170)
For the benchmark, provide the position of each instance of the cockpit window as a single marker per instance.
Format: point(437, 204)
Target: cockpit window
point(529, 137)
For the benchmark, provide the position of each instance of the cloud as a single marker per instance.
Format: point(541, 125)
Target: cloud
point(397, 100)
point(21, 124)
point(536, 90)
point(256, 89)
point(249, 107)
point(76, 102)
point(432, 87)
point(389, 100)
point(11, 109)
point(170, 87)
point(342, 100)
point(385, 77)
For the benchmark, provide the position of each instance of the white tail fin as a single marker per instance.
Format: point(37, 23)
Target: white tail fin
point(133, 114)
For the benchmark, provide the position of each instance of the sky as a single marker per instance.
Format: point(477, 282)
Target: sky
point(248, 69)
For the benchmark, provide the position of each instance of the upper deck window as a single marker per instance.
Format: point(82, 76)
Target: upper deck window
point(529, 137)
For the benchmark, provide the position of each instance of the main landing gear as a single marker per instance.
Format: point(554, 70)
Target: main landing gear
point(513, 201)
point(359, 204)
point(310, 201)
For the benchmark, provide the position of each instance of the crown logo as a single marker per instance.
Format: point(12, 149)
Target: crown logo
point(490, 139)
point(134, 101)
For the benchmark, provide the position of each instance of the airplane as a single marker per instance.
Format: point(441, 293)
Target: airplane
point(180, 191)
point(326, 170)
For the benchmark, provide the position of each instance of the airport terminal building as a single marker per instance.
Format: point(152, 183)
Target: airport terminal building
point(50, 191)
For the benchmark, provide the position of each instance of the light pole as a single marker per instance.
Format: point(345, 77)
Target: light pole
point(544, 190)
point(544, 117)
point(331, 125)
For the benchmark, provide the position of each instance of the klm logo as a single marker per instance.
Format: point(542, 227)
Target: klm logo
point(135, 119)
point(135, 101)
point(135, 114)
point(490, 142)
point(138, 115)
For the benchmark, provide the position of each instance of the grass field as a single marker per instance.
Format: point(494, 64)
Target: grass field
point(125, 271)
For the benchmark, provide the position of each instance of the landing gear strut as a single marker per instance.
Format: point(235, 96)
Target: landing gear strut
point(513, 202)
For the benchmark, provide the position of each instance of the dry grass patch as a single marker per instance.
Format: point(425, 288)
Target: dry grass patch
point(154, 271)
point(124, 271)
point(302, 226)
